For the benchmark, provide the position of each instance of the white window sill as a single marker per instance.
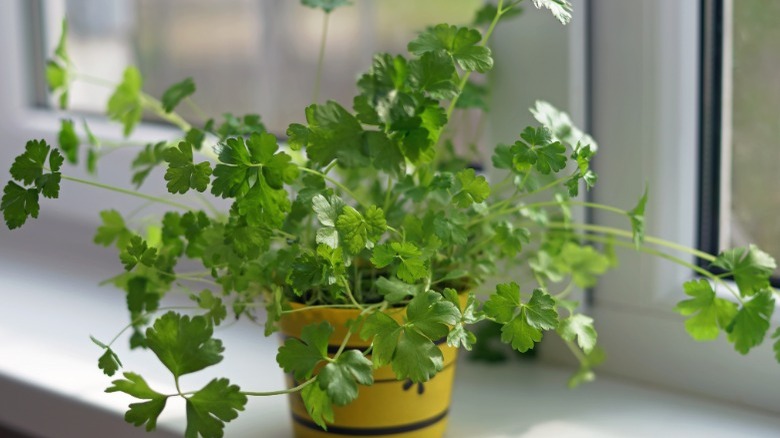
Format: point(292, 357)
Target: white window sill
point(50, 385)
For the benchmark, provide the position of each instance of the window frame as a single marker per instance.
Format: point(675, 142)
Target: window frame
point(645, 112)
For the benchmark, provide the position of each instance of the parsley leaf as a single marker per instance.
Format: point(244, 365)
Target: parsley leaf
point(176, 93)
point(112, 230)
point(710, 314)
point(183, 344)
point(751, 322)
point(560, 125)
point(137, 251)
point(561, 9)
point(334, 133)
point(68, 140)
point(182, 173)
point(318, 405)
point(211, 407)
point(126, 103)
point(637, 218)
point(410, 347)
point(522, 324)
point(412, 265)
point(140, 413)
point(458, 42)
point(471, 188)
point(750, 267)
point(358, 232)
point(28, 166)
point(459, 335)
point(340, 378)
point(434, 73)
point(584, 263)
point(581, 327)
point(301, 356)
point(109, 362)
point(146, 160)
point(18, 204)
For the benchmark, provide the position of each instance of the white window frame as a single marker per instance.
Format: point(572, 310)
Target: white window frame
point(645, 99)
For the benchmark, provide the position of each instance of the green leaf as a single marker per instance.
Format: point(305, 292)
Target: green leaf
point(710, 314)
point(776, 346)
point(471, 188)
point(140, 413)
point(109, 362)
point(68, 140)
point(183, 344)
point(484, 16)
point(18, 204)
point(751, 268)
point(58, 80)
point(28, 166)
point(211, 407)
point(385, 152)
point(395, 291)
point(459, 42)
point(318, 405)
point(358, 232)
point(561, 9)
point(470, 314)
point(473, 96)
point(581, 327)
point(300, 357)
point(61, 51)
point(522, 324)
point(327, 210)
point(537, 148)
point(146, 160)
point(434, 73)
point(182, 173)
point(637, 218)
point(410, 347)
point(326, 5)
point(137, 251)
point(176, 93)
point(584, 263)
point(511, 239)
point(412, 265)
point(751, 322)
point(340, 379)
point(585, 373)
point(139, 299)
point(334, 133)
point(217, 312)
point(112, 230)
point(126, 103)
point(560, 125)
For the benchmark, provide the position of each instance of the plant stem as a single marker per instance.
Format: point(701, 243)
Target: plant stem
point(127, 192)
point(319, 306)
point(663, 255)
point(464, 80)
point(281, 391)
point(321, 58)
point(649, 239)
point(334, 182)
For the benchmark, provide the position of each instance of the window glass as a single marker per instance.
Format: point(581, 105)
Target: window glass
point(755, 128)
point(245, 56)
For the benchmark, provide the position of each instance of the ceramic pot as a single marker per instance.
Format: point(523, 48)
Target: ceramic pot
point(390, 407)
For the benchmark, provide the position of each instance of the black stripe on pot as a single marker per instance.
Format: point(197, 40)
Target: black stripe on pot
point(333, 349)
point(371, 431)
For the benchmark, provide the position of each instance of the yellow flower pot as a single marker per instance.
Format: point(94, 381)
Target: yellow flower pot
point(390, 407)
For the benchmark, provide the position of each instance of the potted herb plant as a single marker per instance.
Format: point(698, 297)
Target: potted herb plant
point(363, 241)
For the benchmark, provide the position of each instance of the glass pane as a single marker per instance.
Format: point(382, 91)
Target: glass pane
point(755, 151)
point(246, 56)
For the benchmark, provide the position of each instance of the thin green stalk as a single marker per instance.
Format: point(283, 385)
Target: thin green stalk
point(281, 391)
point(320, 306)
point(464, 80)
point(649, 239)
point(665, 256)
point(127, 192)
point(334, 182)
point(544, 187)
point(566, 291)
point(321, 57)
point(576, 352)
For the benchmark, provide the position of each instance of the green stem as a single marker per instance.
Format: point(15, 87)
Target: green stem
point(321, 57)
point(466, 76)
point(281, 391)
point(665, 256)
point(127, 192)
point(319, 306)
point(334, 182)
point(649, 239)
point(566, 291)
point(576, 352)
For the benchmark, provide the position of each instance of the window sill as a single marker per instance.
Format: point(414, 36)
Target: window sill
point(50, 386)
